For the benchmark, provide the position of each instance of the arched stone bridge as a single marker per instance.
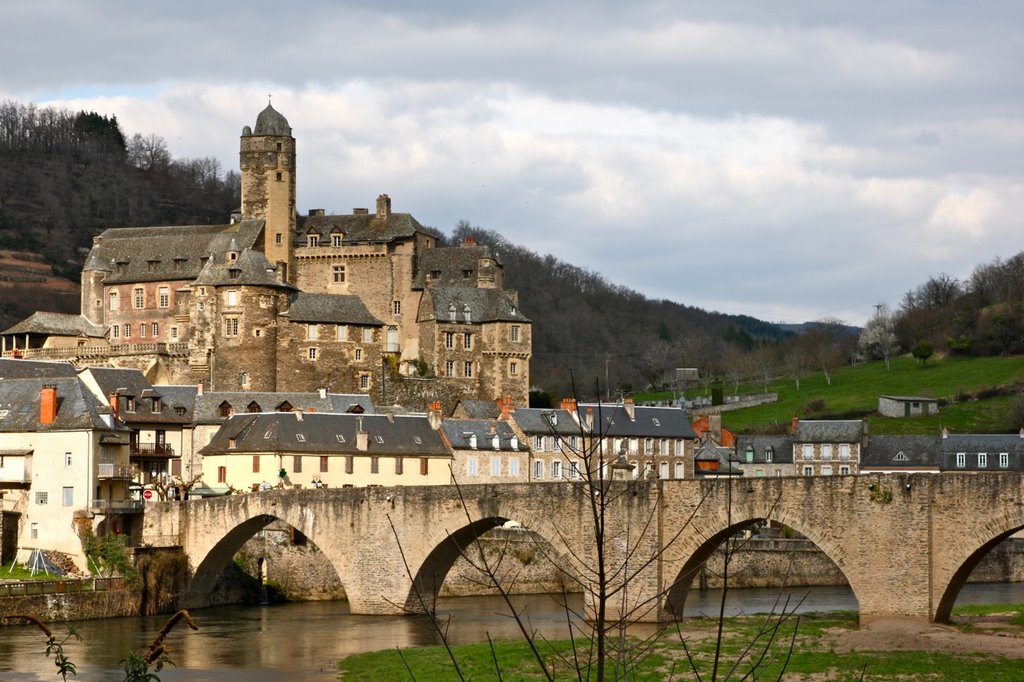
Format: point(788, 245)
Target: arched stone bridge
point(906, 543)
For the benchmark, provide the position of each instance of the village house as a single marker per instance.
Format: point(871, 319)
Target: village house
point(64, 465)
point(764, 455)
point(827, 447)
point(259, 451)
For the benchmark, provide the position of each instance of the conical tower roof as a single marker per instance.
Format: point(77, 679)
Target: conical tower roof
point(271, 122)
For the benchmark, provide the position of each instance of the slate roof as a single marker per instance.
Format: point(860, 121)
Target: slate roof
point(709, 452)
point(330, 308)
point(782, 448)
point(77, 407)
point(207, 405)
point(132, 383)
point(448, 264)
point(647, 422)
point(320, 433)
point(901, 452)
point(57, 324)
point(829, 431)
point(910, 398)
point(151, 254)
point(479, 409)
point(28, 369)
point(974, 444)
point(459, 432)
point(485, 305)
point(250, 269)
point(535, 421)
point(359, 228)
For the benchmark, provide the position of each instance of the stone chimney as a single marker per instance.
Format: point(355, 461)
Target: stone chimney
point(630, 408)
point(362, 437)
point(715, 427)
point(48, 404)
point(505, 406)
point(794, 423)
point(1022, 432)
point(435, 415)
point(199, 388)
point(316, 212)
point(383, 206)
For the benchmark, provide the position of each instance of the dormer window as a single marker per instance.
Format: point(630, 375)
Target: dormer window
point(225, 409)
point(232, 443)
point(452, 314)
point(232, 256)
point(151, 265)
point(467, 314)
point(156, 405)
point(466, 274)
point(129, 403)
point(313, 240)
point(178, 262)
point(233, 273)
point(336, 239)
point(253, 407)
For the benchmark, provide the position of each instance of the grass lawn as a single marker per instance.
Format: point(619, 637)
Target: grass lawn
point(856, 390)
point(818, 653)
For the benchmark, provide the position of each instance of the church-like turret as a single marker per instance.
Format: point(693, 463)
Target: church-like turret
point(267, 163)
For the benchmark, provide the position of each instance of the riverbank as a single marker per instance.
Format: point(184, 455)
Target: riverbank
point(983, 644)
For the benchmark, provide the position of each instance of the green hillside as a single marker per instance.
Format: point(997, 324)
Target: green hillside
point(979, 395)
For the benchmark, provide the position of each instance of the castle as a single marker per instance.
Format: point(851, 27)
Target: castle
point(365, 302)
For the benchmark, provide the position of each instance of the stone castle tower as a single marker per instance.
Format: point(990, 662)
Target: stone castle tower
point(267, 163)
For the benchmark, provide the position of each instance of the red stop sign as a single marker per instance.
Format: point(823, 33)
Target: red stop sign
point(148, 494)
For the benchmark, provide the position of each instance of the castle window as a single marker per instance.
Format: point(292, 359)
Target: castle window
point(336, 239)
point(163, 297)
point(113, 300)
point(174, 333)
point(452, 314)
point(467, 341)
point(449, 368)
point(513, 368)
point(202, 291)
point(279, 146)
point(312, 353)
point(155, 329)
point(449, 339)
point(244, 378)
point(364, 381)
point(396, 307)
point(342, 332)
point(312, 332)
point(338, 273)
point(233, 273)
point(142, 330)
point(278, 239)
point(139, 297)
point(359, 354)
point(467, 370)
point(127, 331)
point(279, 176)
point(467, 313)
point(368, 335)
point(231, 297)
point(313, 240)
point(514, 333)
point(230, 326)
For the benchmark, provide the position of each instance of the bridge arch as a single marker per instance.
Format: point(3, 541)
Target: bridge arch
point(712, 533)
point(971, 553)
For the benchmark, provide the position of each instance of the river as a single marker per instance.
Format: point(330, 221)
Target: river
point(303, 642)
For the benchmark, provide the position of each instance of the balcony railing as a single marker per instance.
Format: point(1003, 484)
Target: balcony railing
point(392, 347)
point(151, 450)
point(117, 506)
point(119, 471)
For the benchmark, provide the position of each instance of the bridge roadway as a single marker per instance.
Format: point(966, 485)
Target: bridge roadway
point(906, 543)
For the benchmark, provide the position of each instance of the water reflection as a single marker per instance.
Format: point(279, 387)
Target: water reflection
point(303, 642)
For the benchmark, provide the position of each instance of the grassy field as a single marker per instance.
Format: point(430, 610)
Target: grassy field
point(856, 390)
point(818, 653)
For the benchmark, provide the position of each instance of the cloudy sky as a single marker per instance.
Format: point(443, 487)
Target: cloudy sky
point(787, 160)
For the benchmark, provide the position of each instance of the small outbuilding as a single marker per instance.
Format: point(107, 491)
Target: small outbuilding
point(907, 406)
